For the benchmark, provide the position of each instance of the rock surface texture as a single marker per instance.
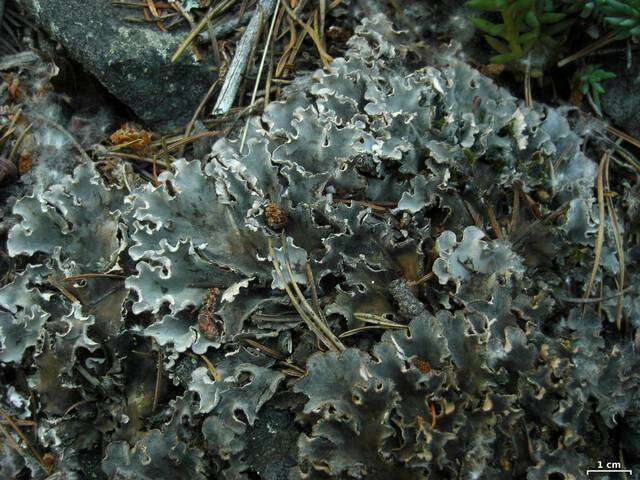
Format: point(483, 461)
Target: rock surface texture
point(621, 101)
point(132, 61)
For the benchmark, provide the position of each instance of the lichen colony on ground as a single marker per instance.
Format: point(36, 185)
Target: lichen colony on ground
point(366, 178)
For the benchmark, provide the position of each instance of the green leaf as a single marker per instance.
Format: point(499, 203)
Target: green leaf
point(504, 58)
point(613, 6)
point(531, 19)
point(529, 37)
point(497, 45)
point(559, 27)
point(552, 17)
point(522, 5)
point(486, 5)
point(488, 27)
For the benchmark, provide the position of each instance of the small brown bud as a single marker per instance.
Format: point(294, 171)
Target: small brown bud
point(206, 317)
point(276, 217)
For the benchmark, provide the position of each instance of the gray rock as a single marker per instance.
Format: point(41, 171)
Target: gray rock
point(133, 61)
point(621, 101)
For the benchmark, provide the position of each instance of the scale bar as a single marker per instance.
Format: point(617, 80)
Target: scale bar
point(608, 471)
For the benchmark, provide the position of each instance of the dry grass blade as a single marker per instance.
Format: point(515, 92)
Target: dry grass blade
point(314, 293)
point(625, 136)
point(366, 328)
point(313, 315)
point(212, 370)
point(264, 349)
point(293, 41)
point(213, 11)
point(324, 56)
point(333, 344)
point(11, 126)
point(23, 438)
point(152, 8)
point(19, 141)
point(600, 235)
point(377, 320)
point(196, 114)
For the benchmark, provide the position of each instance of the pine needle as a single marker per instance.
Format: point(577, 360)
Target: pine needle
point(620, 250)
point(601, 215)
point(324, 56)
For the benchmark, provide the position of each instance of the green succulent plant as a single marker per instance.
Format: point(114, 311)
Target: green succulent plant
point(623, 16)
point(525, 26)
point(589, 81)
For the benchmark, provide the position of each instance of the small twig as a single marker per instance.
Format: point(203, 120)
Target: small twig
point(514, 211)
point(240, 59)
point(314, 293)
point(156, 390)
point(264, 349)
point(23, 437)
point(196, 114)
point(380, 206)
point(602, 42)
point(590, 300)
point(264, 317)
point(56, 284)
point(424, 278)
point(212, 370)
point(625, 136)
point(324, 56)
point(213, 11)
point(323, 15)
point(215, 49)
point(366, 328)
point(260, 68)
point(377, 320)
point(531, 204)
point(528, 96)
point(85, 276)
point(22, 423)
point(186, 15)
point(14, 150)
point(327, 341)
point(494, 222)
point(549, 218)
point(76, 405)
point(11, 126)
point(319, 323)
point(130, 156)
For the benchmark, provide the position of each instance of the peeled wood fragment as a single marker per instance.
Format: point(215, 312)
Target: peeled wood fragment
point(239, 63)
